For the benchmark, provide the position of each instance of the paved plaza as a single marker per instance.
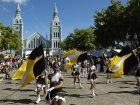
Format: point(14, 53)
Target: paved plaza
point(120, 92)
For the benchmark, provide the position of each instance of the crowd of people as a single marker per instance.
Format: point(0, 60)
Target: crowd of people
point(7, 65)
point(88, 69)
point(51, 79)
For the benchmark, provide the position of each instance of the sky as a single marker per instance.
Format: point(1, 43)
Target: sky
point(38, 14)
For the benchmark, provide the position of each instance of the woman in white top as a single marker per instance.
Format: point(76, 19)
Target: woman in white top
point(76, 74)
point(55, 94)
point(92, 77)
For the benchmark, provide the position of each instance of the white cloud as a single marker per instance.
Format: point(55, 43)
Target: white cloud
point(4, 9)
point(22, 2)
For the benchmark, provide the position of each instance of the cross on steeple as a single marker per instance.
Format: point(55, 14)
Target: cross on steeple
point(36, 28)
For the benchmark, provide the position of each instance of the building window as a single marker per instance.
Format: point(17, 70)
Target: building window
point(58, 44)
point(54, 44)
point(17, 27)
point(56, 24)
point(29, 46)
point(54, 34)
point(17, 21)
point(34, 43)
point(58, 34)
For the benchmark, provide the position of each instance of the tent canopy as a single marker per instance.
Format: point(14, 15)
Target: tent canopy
point(99, 53)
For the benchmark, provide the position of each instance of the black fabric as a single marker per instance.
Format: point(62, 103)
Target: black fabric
point(130, 62)
point(93, 76)
point(39, 66)
point(40, 80)
point(75, 74)
point(138, 73)
point(82, 57)
point(109, 71)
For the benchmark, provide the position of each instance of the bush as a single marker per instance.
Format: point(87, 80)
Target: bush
point(1, 56)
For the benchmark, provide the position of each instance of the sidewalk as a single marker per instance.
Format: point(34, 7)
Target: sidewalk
point(120, 92)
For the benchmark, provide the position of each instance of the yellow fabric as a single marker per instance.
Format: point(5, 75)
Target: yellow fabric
point(30, 75)
point(1, 78)
point(72, 61)
point(117, 65)
point(135, 51)
point(70, 52)
point(110, 59)
point(21, 71)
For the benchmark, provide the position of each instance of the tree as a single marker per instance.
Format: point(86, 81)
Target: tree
point(9, 39)
point(108, 25)
point(81, 39)
point(112, 24)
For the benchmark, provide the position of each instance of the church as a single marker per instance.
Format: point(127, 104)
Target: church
point(51, 47)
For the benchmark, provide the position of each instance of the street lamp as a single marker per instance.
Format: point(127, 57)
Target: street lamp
point(133, 42)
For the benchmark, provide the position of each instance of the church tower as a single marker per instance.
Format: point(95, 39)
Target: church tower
point(17, 25)
point(55, 32)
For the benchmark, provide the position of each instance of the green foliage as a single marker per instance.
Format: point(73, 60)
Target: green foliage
point(1, 56)
point(81, 39)
point(8, 39)
point(114, 22)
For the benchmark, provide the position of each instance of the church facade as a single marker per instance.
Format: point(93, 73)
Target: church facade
point(51, 47)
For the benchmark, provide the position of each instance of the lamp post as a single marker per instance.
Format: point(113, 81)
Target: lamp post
point(133, 42)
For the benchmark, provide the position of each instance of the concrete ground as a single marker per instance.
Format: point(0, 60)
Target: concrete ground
point(120, 92)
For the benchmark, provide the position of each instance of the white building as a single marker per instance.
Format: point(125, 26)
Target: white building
point(36, 38)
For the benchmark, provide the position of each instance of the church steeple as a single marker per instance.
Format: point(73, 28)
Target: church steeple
point(18, 11)
point(55, 13)
point(17, 25)
point(55, 31)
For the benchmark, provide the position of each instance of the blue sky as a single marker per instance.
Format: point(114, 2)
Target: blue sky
point(38, 14)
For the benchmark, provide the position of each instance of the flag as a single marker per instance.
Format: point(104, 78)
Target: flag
point(117, 65)
point(25, 66)
point(129, 63)
point(37, 67)
point(70, 52)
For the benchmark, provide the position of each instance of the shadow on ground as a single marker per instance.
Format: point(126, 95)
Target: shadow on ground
point(21, 101)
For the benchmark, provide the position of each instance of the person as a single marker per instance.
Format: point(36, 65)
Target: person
point(84, 68)
point(108, 72)
point(92, 77)
point(55, 94)
point(98, 64)
point(7, 73)
point(76, 74)
point(41, 82)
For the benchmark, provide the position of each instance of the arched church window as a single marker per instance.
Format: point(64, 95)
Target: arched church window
point(54, 44)
point(29, 45)
point(17, 27)
point(34, 43)
point(58, 34)
point(58, 44)
point(56, 24)
point(54, 34)
point(17, 21)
